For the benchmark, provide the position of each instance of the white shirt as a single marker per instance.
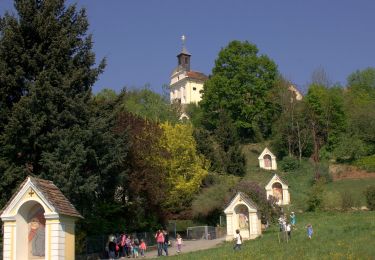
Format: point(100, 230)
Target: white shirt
point(288, 228)
point(238, 238)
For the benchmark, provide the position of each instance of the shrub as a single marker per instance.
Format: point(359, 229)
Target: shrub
point(269, 209)
point(289, 163)
point(367, 163)
point(347, 200)
point(370, 197)
point(315, 199)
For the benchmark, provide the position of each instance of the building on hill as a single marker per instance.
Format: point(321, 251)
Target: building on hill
point(186, 85)
point(278, 189)
point(267, 160)
point(242, 214)
point(297, 94)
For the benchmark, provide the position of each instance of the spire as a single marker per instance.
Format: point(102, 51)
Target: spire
point(184, 56)
point(184, 50)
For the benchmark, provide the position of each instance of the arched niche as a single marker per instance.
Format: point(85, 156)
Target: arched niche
point(30, 230)
point(267, 161)
point(242, 213)
point(277, 191)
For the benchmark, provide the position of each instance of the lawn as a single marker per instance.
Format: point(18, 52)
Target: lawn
point(336, 236)
point(356, 187)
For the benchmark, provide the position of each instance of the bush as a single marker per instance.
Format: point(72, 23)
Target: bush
point(268, 208)
point(289, 164)
point(347, 200)
point(370, 197)
point(315, 199)
point(367, 163)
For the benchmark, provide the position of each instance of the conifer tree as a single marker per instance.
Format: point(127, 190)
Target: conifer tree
point(47, 70)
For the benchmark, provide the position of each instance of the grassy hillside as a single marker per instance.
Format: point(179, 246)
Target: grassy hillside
point(301, 179)
point(336, 236)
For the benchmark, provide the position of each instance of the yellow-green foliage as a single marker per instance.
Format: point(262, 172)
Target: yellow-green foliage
point(186, 168)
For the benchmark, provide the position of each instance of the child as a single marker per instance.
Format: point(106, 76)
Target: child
point(238, 240)
point(179, 243)
point(135, 248)
point(309, 231)
point(142, 248)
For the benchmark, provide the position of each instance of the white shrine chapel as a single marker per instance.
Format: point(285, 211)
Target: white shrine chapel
point(267, 160)
point(242, 213)
point(279, 189)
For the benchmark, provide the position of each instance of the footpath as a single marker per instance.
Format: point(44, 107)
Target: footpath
point(187, 246)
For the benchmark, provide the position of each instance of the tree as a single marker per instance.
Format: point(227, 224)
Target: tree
point(290, 132)
point(240, 85)
point(148, 104)
point(186, 169)
point(144, 187)
point(46, 76)
point(360, 107)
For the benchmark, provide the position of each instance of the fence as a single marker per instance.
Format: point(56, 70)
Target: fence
point(94, 247)
point(204, 232)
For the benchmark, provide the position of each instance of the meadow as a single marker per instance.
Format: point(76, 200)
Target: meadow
point(348, 235)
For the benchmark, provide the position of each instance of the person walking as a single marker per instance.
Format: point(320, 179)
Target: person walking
point(179, 243)
point(310, 231)
point(238, 240)
point(159, 236)
point(166, 242)
point(112, 248)
point(289, 230)
point(142, 248)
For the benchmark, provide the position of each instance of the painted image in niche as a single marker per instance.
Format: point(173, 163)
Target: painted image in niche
point(36, 237)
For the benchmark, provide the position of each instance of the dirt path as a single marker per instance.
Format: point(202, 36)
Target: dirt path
point(188, 246)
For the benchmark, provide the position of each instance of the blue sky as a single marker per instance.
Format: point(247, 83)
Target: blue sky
point(141, 38)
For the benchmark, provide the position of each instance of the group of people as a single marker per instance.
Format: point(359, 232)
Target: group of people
point(129, 246)
point(163, 242)
point(125, 246)
point(287, 226)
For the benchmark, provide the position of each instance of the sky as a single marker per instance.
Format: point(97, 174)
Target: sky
point(141, 38)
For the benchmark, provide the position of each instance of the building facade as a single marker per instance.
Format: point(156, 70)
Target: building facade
point(186, 85)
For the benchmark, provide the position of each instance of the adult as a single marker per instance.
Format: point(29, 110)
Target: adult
point(159, 236)
point(166, 241)
point(112, 248)
point(293, 219)
point(289, 230)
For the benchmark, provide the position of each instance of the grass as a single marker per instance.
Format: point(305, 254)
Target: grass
point(356, 187)
point(336, 236)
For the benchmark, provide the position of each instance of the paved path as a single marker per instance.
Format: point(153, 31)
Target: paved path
point(188, 246)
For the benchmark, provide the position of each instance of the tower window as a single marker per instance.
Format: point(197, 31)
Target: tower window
point(194, 88)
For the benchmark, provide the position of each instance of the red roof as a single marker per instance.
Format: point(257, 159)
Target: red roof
point(197, 75)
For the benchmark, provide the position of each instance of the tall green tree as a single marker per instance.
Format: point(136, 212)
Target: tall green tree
point(240, 85)
point(324, 110)
point(46, 77)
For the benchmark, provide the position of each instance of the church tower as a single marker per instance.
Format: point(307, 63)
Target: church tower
point(186, 85)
